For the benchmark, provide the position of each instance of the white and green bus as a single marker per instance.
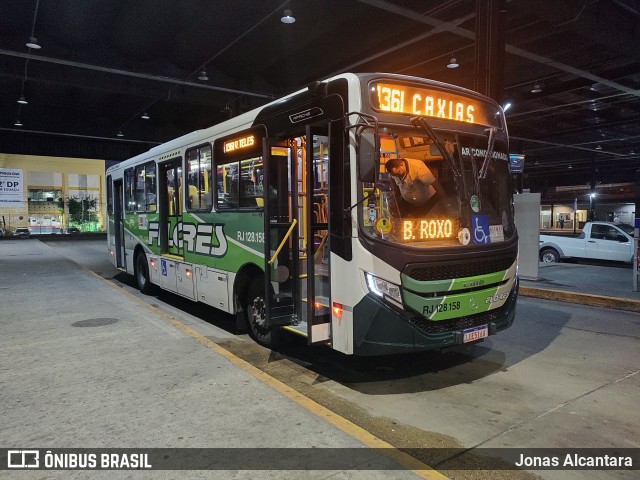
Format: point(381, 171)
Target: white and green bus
point(289, 217)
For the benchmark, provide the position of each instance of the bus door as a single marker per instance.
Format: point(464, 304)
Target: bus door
point(281, 235)
point(296, 235)
point(169, 219)
point(314, 206)
point(118, 223)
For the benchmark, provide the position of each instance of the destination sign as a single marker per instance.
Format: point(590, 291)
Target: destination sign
point(239, 143)
point(429, 229)
point(397, 98)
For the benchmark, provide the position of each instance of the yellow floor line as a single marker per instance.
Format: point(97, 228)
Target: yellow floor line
point(421, 469)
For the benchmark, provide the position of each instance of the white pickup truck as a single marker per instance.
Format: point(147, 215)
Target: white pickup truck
point(598, 240)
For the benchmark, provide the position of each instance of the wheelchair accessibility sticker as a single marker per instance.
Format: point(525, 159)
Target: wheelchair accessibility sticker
point(163, 265)
point(480, 229)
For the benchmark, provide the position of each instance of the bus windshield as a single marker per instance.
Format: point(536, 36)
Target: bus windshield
point(443, 189)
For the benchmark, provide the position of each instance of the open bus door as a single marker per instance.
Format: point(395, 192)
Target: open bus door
point(296, 235)
point(314, 195)
point(281, 236)
point(118, 222)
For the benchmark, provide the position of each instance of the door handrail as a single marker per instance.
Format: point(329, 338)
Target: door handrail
point(286, 237)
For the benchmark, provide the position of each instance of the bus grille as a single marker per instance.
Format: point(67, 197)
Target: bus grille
point(445, 326)
point(468, 268)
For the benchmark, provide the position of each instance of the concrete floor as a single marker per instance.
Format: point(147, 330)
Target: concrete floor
point(84, 366)
point(563, 376)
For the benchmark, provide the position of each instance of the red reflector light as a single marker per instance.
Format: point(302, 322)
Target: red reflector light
point(337, 309)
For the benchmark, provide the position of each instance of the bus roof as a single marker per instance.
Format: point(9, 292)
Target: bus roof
point(246, 119)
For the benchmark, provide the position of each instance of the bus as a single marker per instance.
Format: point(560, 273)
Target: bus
point(292, 217)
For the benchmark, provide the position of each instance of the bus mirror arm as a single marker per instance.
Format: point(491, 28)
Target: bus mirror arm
point(347, 210)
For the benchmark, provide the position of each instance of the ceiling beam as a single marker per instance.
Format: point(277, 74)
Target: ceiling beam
point(512, 49)
point(145, 76)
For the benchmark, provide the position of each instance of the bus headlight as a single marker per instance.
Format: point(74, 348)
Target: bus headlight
point(383, 288)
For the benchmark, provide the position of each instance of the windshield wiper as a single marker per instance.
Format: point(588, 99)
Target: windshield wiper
point(490, 143)
point(421, 122)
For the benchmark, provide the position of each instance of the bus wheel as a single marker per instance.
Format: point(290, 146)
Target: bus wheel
point(142, 274)
point(255, 309)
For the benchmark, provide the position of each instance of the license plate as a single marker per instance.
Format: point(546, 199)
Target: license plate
point(475, 333)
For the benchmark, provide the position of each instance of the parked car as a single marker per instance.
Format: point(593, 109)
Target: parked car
point(73, 231)
point(598, 241)
point(22, 232)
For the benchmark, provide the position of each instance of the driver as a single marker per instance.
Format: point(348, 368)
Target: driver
point(416, 182)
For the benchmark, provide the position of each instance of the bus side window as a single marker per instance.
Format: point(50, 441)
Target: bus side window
point(198, 164)
point(150, 187)
point(227, 191)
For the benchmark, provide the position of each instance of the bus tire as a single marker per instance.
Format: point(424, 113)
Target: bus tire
point(142, 274)
point(255, 309)
point(549, 255)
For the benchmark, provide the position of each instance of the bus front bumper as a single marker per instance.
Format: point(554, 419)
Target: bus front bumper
point(381, 329)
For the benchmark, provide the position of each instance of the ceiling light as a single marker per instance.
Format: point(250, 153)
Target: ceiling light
point(120, 134)
point(33, 43)
point(570, 166)
point(506, 107)
point(599, 147)
point(203, 75)
point(18, 123)
point(453, 63)
point(145, 116)
point(288, 17)
point(536, 88)
point(22, 100)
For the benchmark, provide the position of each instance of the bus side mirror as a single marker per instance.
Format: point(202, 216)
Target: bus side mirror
point(368, 157)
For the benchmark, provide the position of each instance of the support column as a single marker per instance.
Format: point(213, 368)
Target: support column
point(490, 39)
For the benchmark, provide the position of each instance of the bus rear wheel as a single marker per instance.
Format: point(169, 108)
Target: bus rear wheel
point(255, 308)
point(142, 274)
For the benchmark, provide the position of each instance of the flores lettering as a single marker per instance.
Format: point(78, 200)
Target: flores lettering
point(196, 238)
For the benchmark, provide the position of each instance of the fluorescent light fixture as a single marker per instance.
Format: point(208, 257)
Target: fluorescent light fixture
point(33, 43)
point(288, 17)
point(120, 134)
point(506, 107)
point(453, 63)
point(22, 100)
point(145, 116)
point(18, 123)
point(203, 75)
point(537, 88)
point(599, 147)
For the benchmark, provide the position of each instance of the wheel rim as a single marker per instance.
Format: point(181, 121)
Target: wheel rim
point(142, 272)
point(256, 313)
point(548, 257)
